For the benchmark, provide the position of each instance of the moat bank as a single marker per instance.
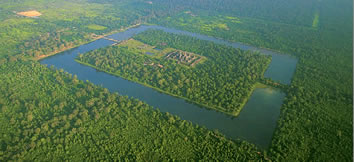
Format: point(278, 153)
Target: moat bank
point(255, 123)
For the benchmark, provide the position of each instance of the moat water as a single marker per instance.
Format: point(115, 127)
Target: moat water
point(256, 122)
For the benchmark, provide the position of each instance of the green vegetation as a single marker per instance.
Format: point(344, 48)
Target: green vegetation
point(316, 19)
point(317, 115)
point(96, 27)
point(50, 115)
point(76, 19)
point(316, 119)
point(280, 11)
point(47, 115)
point(223, 82)
point(54, 42)
point(179, 56)
point(138, 47)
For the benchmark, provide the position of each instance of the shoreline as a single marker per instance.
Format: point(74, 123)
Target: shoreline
point(235, 113)
point(86, 42)
point(215, 108)
point(259, 48)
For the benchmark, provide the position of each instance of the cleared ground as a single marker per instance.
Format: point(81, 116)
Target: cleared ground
point(96, 27)
point(183, 57)
point(32, 13)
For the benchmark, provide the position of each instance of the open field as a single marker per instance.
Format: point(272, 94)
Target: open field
point(316, 19)
point(32, 13)
point(96, 27)
point(186, 58)
point(144, 49)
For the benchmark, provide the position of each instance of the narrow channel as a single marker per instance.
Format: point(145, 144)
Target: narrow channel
point(255, 123)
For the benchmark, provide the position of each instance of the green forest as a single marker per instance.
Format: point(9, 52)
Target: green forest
point(48, 114)
point(222, 83)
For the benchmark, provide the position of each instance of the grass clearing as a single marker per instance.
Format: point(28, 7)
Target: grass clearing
point(142, 48)
point(316, 20)
point(260, 85)
point(32, 13)
point(233, 19)
point(184, 58)
point(96, 27)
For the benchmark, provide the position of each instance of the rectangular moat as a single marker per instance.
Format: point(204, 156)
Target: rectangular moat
point(255, 123)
